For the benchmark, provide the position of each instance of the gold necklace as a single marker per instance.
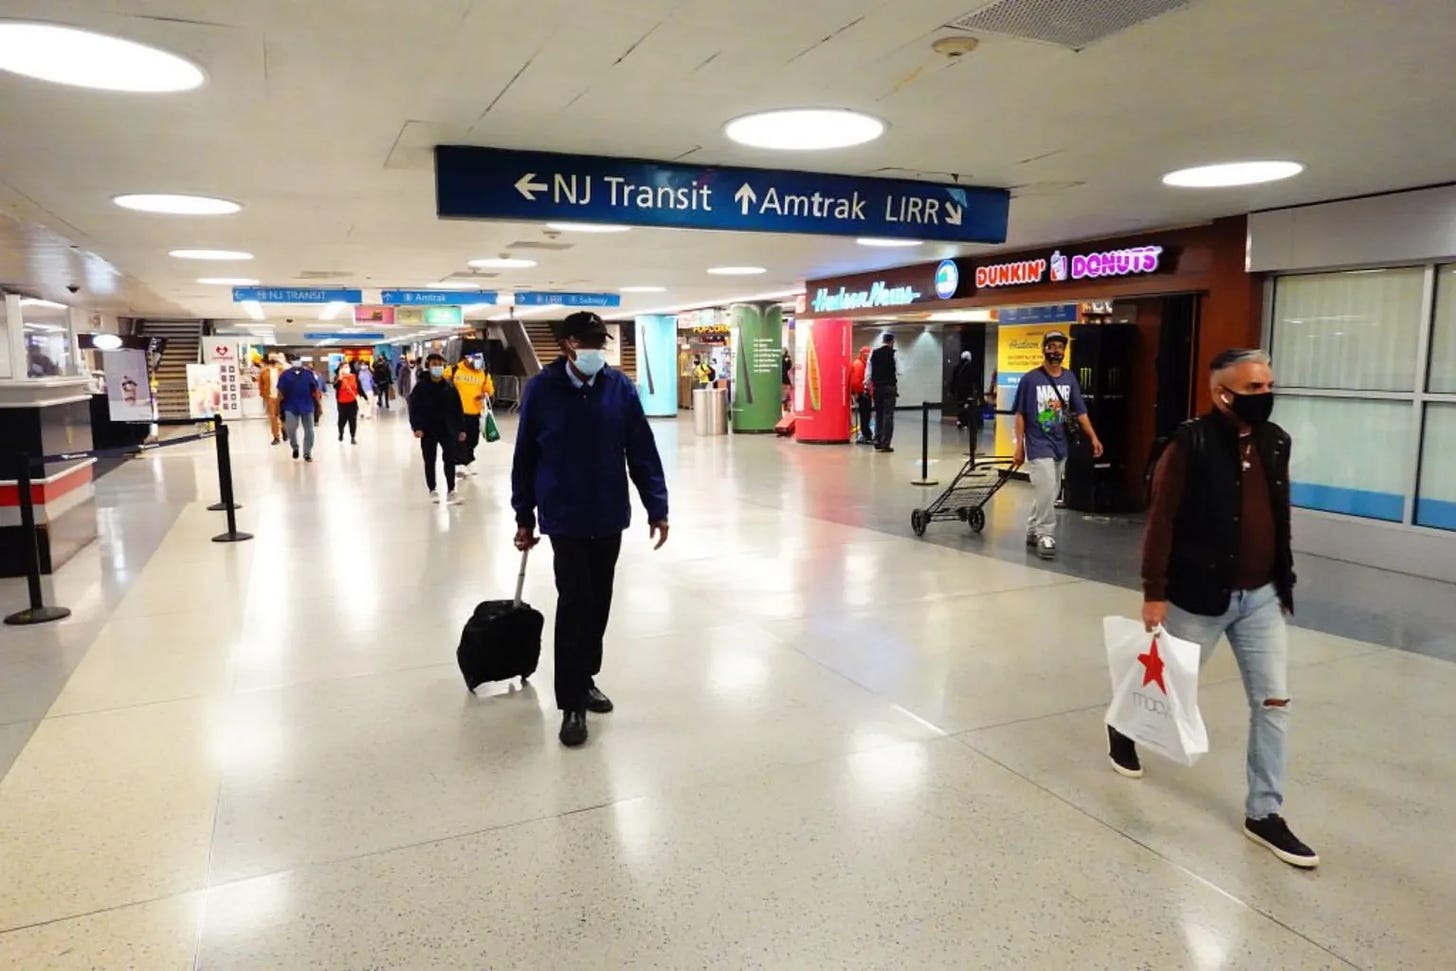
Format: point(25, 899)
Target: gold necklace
point(1246, 449)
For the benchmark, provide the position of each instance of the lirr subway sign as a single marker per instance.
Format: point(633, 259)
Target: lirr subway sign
point(496, 183)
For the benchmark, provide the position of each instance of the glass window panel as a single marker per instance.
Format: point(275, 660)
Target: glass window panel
point(1350, 456)
point(1352, 331)
point(1443, 339)
point(1436, 501)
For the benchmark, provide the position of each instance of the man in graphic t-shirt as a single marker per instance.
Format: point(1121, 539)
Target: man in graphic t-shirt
point(1043, 399)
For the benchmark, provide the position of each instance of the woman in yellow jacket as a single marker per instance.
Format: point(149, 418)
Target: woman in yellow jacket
point(475, 387)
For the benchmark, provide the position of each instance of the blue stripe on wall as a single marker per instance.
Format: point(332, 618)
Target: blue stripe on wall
point(1436, 512)
point(1353, 502)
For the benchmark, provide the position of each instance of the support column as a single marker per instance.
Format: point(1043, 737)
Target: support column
point(758, 352)
point(12, 339)
point(657, 364)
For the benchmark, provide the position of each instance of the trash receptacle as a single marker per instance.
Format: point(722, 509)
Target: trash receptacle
point(710, 411)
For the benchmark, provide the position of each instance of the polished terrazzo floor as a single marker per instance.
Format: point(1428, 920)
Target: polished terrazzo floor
point(835, 745)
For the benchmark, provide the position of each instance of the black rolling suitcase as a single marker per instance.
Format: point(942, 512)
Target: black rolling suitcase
point(502, 639)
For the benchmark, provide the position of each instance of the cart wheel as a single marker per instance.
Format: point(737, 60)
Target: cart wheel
point(978, 519)
point(917, 522)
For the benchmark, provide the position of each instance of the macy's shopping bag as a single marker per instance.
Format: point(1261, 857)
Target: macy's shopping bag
point(1154, 689)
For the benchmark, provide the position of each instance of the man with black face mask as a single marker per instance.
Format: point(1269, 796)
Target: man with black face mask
point(1048, 403)
point(1217, 561)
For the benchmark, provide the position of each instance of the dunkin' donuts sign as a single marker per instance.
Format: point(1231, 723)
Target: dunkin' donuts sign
point(1084, 266)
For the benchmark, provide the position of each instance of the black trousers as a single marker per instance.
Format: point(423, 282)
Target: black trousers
point(429, 447)
point(585, 569)
point(382, 396)
point(885, 415)
point(349, 416)
point(472, 439)
point(866, 413)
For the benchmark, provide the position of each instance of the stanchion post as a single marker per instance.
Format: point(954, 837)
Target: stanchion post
point(925, 479)
point(225, 480)
point(224, 469)
point(37, 612)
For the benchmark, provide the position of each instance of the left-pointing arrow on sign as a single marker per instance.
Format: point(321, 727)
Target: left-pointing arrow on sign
point(527, 187)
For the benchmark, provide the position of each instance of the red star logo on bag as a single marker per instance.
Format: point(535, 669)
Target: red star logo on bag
point(1153, 667)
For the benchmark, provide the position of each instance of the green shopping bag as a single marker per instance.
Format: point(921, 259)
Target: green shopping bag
point(492, 433)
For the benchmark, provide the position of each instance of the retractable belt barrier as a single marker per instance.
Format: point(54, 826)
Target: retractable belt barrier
point(39, 612)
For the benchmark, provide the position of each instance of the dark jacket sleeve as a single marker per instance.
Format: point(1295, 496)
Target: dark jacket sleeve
point(417, 409)
point(526, 461)
point(1168, 483)
point(644, 464)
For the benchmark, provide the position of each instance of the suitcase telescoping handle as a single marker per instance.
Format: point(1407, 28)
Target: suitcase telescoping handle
point(521, 580)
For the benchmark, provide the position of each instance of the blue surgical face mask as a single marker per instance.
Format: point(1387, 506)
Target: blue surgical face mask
point(438, 371)
point(589, 360)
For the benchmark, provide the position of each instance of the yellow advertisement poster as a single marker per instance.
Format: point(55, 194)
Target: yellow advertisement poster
point(1018, 350)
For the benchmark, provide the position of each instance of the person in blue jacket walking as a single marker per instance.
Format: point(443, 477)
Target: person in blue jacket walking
point(582, 432)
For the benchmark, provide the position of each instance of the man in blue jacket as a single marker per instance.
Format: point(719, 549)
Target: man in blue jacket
point(582, 430)
point(298, 394)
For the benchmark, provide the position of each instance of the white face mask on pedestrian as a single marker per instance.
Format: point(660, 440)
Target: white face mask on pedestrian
point(589, 361)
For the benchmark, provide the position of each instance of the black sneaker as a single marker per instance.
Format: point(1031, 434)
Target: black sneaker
point(573, 728)
point(598, 703)
point(1122, 753)
point(1273, 833)
point(295, 453)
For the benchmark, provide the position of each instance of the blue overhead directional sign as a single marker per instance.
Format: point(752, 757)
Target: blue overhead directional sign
point(496, 183)
point(435, 298)
point(297, 295)
point(541, 298)
point(342, 335)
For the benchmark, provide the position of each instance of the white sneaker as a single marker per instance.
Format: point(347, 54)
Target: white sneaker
point(454, 499)
point(1046, 548)
point(434, 495)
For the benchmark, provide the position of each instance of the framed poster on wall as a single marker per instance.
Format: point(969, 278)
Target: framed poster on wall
point(128, 385)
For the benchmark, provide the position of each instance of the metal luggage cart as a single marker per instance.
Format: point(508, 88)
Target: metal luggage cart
point(966, 497)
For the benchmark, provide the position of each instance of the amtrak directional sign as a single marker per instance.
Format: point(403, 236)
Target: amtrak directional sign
point(495, 183)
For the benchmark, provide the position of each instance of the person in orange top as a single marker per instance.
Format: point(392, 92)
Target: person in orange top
point(346, 395)
point(859, 390)
point(268, 390)
point(472, 381)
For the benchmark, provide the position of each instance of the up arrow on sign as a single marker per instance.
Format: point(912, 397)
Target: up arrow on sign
point(528, 188)
point(745, 197)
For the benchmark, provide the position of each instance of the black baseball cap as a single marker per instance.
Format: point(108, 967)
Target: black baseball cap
point(582, 324)
point(1054, 335)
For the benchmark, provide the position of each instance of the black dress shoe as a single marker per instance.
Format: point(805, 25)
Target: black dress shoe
point(598, 702)
point(573, 728)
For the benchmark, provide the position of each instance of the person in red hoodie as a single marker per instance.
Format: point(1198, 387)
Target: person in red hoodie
point(859, 390)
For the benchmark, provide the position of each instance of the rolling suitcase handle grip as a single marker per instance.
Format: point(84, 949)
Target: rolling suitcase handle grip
point(521, 580)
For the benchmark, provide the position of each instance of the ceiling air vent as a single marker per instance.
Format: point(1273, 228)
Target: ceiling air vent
point(323, 274)
point(1066, 23)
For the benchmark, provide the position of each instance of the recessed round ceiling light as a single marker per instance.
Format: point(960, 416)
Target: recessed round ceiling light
point(736, 270)
point(804, 129)
point(67, 55)
point(587, 228)
point(502, 263)
point(887, 243)
point(1232, 173)
point(210, 254)
point(227, 281)
point(177, 205)
point(644, 289)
